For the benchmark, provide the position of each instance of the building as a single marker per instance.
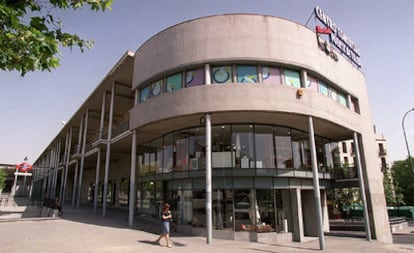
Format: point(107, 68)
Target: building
point(228, 118)
point(347, 155)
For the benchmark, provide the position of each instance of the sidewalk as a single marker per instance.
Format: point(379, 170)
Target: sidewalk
point(80, 230)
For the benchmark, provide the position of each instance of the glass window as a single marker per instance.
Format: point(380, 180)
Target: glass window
point(342, 99)
point(283, 148)
point(168, 154)
point(266, 209)
point(334, 94)
point(148, 201)
point(222, 74)
point(312, 83)
point(194, 77)
point(156, 146)
point(181, 145)
point(174, 82)
point(144, 163)
point(150, 159)
point(123, 194)
point(243, 145)
point(271, 75)
point(197, 145)
point(301, 151)
point(156, 88)
point(332, 155)
point(265, 154)
point(144, 94)
point(223, 209)
point(246, 74)
point(199, 209)
point(221, 155)
point(292, 78)
point(323, 88)
point(355, 105)
point(320, 153)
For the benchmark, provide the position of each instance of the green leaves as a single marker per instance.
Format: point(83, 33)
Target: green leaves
point(403, 176)
point(35, 46)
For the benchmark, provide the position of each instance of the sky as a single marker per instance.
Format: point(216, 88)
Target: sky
point(33, 107)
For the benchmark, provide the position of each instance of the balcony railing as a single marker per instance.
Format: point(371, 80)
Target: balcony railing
point(120, 128)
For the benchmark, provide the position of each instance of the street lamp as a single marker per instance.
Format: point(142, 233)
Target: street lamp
point(406, 142)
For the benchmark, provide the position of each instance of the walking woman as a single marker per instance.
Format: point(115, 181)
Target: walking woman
point(165, 224)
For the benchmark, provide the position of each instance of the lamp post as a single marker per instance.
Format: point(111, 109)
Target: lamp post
point(405, 137)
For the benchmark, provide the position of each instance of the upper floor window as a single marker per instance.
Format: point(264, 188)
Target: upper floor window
point(246, 74)
point(323, 88)
point(194, 77)
point(342, 99)
point(344, 147)
point(222, 74)
point(312, 83)
point(174, 82)
point(144, 94)
point(271, 75)
point(292, 78)
point(156, 88)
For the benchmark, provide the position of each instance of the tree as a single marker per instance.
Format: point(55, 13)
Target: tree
point(30, 35)
point(404, 180)
point(389, 190)
point(2, 178)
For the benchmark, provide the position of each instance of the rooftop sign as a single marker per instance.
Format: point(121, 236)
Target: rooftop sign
point(338, 38)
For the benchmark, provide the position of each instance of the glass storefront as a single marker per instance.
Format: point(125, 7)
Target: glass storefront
point(236, 146)
point(242, 199)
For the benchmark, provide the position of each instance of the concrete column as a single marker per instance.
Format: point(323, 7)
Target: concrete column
point(102, 123)
point(67, 159)
point(82, 161)
point(209, 217)
point(316, 188)
point(75, 182)
point(95, 192)
point(303, 78)
point(80, 136)
point(132, 176)
point(207, 75)
point(362, 187)
point(297, 215)
point(108, 150)
point(325, 214)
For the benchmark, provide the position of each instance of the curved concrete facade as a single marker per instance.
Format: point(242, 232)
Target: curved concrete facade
point(259, 40)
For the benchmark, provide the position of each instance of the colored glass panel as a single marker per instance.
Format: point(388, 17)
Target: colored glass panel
point(246, 74)
point(292, 78)
point(323, 88)
point(312, 83)
point(342, 99)
point(174, 82)
point(271, 75)
point(194, 77)
point(221, 74)
point(144, 95)
point(156, 88)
